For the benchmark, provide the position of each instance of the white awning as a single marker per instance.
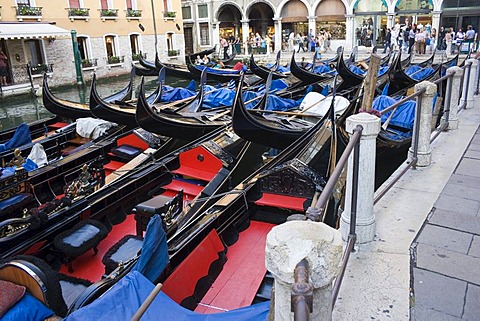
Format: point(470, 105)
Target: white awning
point(26, 30)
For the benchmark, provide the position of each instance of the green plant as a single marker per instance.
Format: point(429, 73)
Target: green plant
point(86, 63)
point(136, 56)
point(81, 12)
point(29, 11)
point(134, 13)
point(170, 14)
point(109, 12)
point(113, 60)
point(172, 53)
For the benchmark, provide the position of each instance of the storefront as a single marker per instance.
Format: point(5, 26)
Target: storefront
point(461, 14)
point(370, 22)
point(414, 11)
point(330, 15)
point(294, 19)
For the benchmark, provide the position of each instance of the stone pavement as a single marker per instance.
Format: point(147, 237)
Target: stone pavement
point(424, 263)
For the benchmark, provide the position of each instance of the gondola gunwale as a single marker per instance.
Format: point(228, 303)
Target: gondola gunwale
point(263, 72)
point(305, 75)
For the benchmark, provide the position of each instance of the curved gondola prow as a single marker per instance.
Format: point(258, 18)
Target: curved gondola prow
point(158, 63)
point(196, 104)
point(145, 63)
point(231, 57)
point(161, 85)
point(307, 76)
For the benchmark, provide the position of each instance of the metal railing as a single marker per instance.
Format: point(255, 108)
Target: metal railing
point(27, 11)
point(87, 63)
point(443, 126)
point(40, 68)
point(78, 12)
point(108, 13)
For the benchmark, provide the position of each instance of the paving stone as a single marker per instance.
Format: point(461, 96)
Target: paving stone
point(475, 139)
point(475, 247)
point(420, 313)
point(462, 191)
point(465, 180)
point(445, 238)
point(453, 264)
point(430, 287)
point(469, 166)
point(473, 153)
point(458, 221)
point(457, 204)
point(472, 303)
point(474, 147)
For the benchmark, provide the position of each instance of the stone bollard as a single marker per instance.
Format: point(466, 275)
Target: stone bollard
point(472, 86)
point(365, 224)
point(424, 152)
point(454, 96)
point(287, 245)
point(465, 85)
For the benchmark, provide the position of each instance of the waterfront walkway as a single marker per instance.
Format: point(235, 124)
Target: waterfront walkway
point(424, 264)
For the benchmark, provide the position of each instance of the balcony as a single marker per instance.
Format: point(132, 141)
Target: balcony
point(136, 56)
point(133, 14)
point(89, 63)
point(173, 53)
point(169, 15)
point(109, 14)
point(78, 13)
point(40, 69)
point(27, 12)
point(114, 60)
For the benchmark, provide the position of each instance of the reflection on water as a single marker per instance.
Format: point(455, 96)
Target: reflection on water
point(27, 108)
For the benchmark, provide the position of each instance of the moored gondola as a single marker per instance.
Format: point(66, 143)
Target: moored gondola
point(263, 72)
point(307, 76)
point(207, 52)
point(73, 110)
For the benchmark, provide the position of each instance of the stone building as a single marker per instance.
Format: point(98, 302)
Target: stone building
point(347, 21)
point(36, 36)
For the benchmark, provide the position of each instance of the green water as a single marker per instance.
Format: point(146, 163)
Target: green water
point(27, 108)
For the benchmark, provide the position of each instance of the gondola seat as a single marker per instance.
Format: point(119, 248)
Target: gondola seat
point(126, 248)
point(82, 237)
point(144, 211)
point(126, 152)
point(12, 205)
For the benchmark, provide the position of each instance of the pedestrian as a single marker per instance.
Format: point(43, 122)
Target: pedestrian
point(394, 38)
point(3, 68)
point(460, 36)
point(441, 44)
point(420, 42)
point(300, 42)
point(312, 43)
point(224, 44)
point(328, 38)
point(291, 41)
point(470, 34)
point(411, 37)
point(449, 40)
point(388, 41)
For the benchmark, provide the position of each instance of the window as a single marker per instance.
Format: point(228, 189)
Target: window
point(134, 44)
point(24, 3)
point(111, 47)
point(34, 52)
point(204, 34)
point(167, 5)
point(74, 3)
point(104, 4)
point(202, 11)
point(129, 5)
point(83, 47)
point(186, 13)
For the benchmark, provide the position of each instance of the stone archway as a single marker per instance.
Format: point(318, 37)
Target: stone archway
point(260, 18)
point(229, 17)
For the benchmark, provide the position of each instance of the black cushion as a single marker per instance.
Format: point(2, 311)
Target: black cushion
point(153, 205)
point(126, 248)
point(80, 238)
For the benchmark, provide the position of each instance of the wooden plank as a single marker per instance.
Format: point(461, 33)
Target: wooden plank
point(370, 82)
point(128, 166)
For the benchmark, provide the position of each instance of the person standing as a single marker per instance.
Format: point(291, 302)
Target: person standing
point(394, 38)
point(470, 34)
point(411, 37)
point(459, 38)
point(291, 41)
point(441, 45)
point(449, 40)
point(224, 44)
point(300, 42)
point(388, 41)
point(3, 68)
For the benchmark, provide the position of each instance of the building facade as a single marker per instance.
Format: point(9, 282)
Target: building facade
point(36, 36)
point(348, 21)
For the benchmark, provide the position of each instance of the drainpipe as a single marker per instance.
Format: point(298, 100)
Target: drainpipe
point(76, 55)
point(155, 28)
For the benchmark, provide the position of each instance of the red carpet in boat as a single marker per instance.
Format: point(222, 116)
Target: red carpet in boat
point(237, 284)
point(58, 125)
point(281, 201)
point(89, 266)
point(188, 188)
point(199, 163)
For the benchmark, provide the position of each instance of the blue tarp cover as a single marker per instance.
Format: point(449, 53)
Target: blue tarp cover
point(419, 73)
point(403, 116)
point(20, 137)
point(357, 70)
point(219, 71)
point(125, 297)
point(220, 97)
point(173, 94)
point(322, 69)
point(154, 257)
point(279, 69)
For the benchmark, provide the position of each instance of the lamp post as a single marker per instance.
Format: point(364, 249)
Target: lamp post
point(76, 55)
point(154, 28)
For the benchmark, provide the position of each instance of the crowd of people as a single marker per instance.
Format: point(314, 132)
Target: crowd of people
point(309, 42)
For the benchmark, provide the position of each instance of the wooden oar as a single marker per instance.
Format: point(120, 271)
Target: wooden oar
point(218, 115)
point(176, 102)
point(143, 308)
point(385, 124)
point(285, 113)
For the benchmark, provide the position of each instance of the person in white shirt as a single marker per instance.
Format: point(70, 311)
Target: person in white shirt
point(395, 33)
point(470, 34)
point(460, 36)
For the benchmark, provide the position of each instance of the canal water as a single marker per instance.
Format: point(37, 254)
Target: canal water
point(27, 107)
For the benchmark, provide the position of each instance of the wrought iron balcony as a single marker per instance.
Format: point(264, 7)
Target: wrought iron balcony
point(78, 12)
point(87, 63)
point(115, 60)
point(136, 56)
point(27, 11)
point(131, 13)
point(169, 14)
point(109, 13)
point(40, 68)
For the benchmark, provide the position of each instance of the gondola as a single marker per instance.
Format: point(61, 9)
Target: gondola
point(121, 113)
point(187, 122)
point(72, 110)
point(263, 72)
point(230, 58)
point(219, 75)
point(145, 63)
point(207, 52)
point(399, 80)
point(305, 75)
point(229, 159)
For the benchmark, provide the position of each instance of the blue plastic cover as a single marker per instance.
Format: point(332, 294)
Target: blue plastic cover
point(357, 70)
point(277, 103)
point(249, 95)
point(20, 137)
point(219, 71)
point(322, 69)
point(220, 97)
point(124, 298)
point(279, 69)
point(154, 257)
point(28, 308)
point(403, 116)
point(382, 70)
point(177, 94)
point(419, 73)
point(192, 85)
